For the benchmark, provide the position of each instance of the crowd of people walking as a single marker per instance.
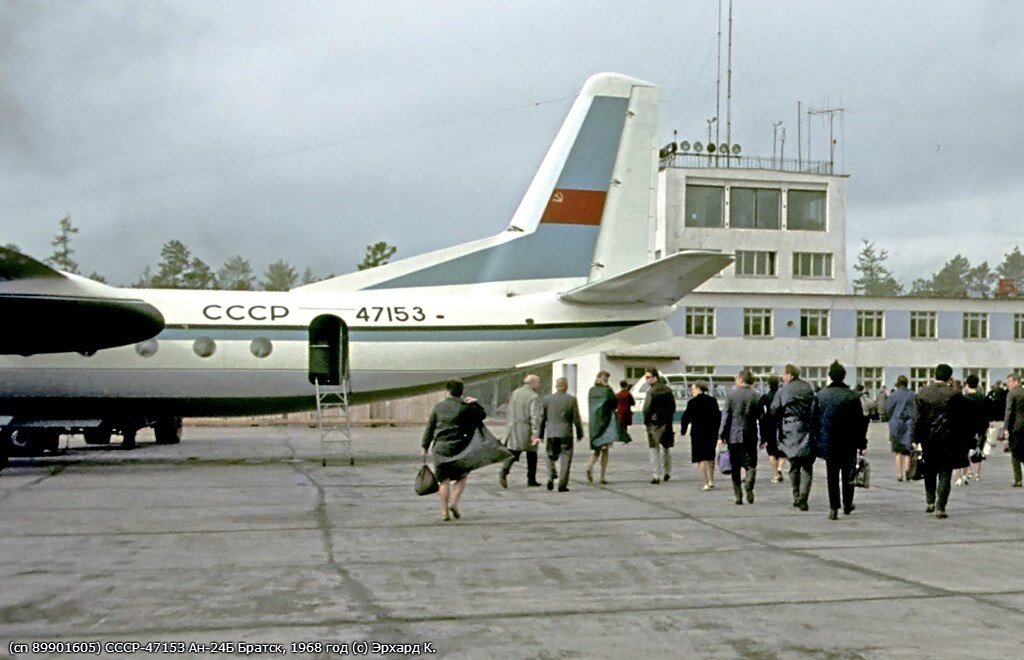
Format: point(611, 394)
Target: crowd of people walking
point(940, 429)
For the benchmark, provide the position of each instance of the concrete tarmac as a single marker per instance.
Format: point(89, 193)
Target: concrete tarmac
point(239, 535)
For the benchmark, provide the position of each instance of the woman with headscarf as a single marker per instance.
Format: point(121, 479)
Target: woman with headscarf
point(604, 430)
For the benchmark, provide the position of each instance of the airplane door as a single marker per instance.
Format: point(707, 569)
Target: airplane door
point(328, 350)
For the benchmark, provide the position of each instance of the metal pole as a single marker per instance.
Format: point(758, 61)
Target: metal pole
point(728, 102)
point(799, 145)
point(718, 76)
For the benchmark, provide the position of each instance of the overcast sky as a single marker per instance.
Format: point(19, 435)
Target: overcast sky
point(306, 130)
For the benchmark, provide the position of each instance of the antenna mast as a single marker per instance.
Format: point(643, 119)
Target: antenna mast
point(728, 102)
point(718, 75)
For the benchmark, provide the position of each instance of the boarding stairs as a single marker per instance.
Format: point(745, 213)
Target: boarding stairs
point(333, 421)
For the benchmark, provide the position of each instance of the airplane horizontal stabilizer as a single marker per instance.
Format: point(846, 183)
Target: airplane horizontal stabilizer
point(664, 282)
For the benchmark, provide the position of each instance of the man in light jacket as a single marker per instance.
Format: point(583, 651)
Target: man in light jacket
point(659, 409)
point(559, 414)
point(794, 402)
point(523, 430)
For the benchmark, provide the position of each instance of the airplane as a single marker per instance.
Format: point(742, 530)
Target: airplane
point(573, 272)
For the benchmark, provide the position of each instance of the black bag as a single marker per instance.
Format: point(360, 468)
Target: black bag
point(862, 473)
point(976, 455)
point(426, 482)
point(483, 449)
point(916, 469)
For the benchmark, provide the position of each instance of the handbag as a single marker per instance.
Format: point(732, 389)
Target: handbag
point(862, 473)
point(916, 469)
point(426, 482)
point(724, 463)
point(483, 449)
point(976, 455)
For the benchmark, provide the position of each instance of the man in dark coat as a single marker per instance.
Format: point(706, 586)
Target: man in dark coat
point(938, 428)
point(839, 429)
point(1013, 425)
point(793, 403)
point(739, 432)
point(559, 413)
point(659, 408)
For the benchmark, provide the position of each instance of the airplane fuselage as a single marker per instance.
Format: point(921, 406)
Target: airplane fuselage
point(237, 352)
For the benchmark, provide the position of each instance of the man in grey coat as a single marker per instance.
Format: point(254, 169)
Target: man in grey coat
point(559, 413)
point(739, 431)
point(1013, 425)
point(794, 402)
point(523, 430)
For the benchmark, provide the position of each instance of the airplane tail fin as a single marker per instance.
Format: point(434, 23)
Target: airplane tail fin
point(587, 214)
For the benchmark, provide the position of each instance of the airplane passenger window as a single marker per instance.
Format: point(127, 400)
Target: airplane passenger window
point(261, 347)
point(147, 348)
point(204, 347)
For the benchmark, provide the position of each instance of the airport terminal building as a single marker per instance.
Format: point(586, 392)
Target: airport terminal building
point(787, 296)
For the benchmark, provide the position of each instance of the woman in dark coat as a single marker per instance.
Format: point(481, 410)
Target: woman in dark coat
point(768, 428)
point(452, 424)
point(604, 424)
point(703, 416)
point(899, 408)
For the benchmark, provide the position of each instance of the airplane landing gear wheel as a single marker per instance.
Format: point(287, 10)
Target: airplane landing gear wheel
point(97, 436)
point(168, 431)
point(128, 438)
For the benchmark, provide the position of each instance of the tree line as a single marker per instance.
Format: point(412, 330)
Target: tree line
point(958, 278)
point(178, 268)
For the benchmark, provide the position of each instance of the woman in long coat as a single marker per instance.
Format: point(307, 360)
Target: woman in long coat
point(899, 408)
point(604, 423)
point(450, 429)
point(702, 416)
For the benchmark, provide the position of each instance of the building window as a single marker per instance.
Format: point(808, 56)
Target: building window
point(919, 377)
point(816, 376)
point(699, 370)
point(981, 373)
point(870, 323)
point(759, 370)
point(700, 321)
point(922, 325)
point(814, 323)
point(806, 210)
point(1018, 326)
point(704, 206)
point(975, 325)
point(754, 208)
point(633, 374)
point(757, 322)
point(812, 264)
point(872, 378)
point(755, 263)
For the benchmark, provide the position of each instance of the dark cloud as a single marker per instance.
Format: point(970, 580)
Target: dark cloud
point(307, 131)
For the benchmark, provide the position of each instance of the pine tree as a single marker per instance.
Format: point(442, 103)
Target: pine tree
point(175, 263)
point(875, 279)
point(1012, 268)
point(377, 254)
point(236, 274)
point(61, 257)
point(957, 279)
point(198, 276)
point(279, 277)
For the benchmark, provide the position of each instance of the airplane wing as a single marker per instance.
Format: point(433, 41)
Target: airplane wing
point(46, 311)
point(664, 282)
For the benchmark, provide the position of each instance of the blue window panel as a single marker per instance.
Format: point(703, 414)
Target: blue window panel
point(897, 325)
point(1000, 327)
point(998, 374)
point(951, 325)
point(729, 322)
point(787, 322)
point(843, 324)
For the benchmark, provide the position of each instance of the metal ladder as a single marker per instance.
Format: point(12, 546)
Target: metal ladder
point(335, 439)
